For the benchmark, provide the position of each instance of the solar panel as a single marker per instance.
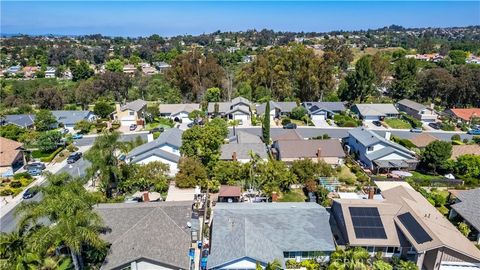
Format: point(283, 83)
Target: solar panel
point(414, 228)
point(367, 223)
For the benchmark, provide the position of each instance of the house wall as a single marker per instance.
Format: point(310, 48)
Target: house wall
point(144, 265)
point(172, 165)
point(243, 263)
point(357, 147)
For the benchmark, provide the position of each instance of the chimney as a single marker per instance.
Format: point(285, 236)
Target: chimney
point(234, 156)
point(371, 192)
point(388, 134)
point(145, 197)
point(319, 153)
point(274, 196)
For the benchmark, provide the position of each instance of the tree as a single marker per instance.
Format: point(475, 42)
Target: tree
point(81, 71)
point(67, 204)
point(359, 83)
point(85, 93)
point(407, 265)
point(298, 112)
point(468, 166)
point(266, 124)
point(350, 259)
point(159, 89)
point(457, 57)
point(213, 94)
point(152, 175)
point(44, 120)
point(464, 229)
point(404, 79)
point(436, 155)
point(275, 265)
point(103, 108)
point(15, 250)
point(229, 172)
point(114, 65)
point(48, 141)
point(115, 84)
point(381, 265)
point(306, 169)
point(204, 142)
point(83, 126)
point(196, 114)
point(49, 98)
point(191, 173)
point(272, 176)
point(12, 132)
point(103, 156)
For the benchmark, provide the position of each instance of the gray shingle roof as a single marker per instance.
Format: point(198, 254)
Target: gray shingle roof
point(155, 231)
point(367, 137)
point(172, 136)
point(135, 105)
point(70, 117)
point(242, 150)
point(245, 137)
point(224, 107)
point(174, 109)
point(282, 106)
point(387, 151)
point(22, 120)
point(309, 148)
point(313, 107)
point(376, 109)
point(263, 231)
point(412, 104)
point(468, 206)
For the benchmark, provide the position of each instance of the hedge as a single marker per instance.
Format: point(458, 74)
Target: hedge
point(51, 156)
point(415, 123)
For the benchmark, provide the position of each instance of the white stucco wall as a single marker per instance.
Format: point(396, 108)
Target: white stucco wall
point(173, 166)
point(143, 265)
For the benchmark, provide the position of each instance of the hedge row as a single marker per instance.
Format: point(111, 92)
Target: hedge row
point(51, 156)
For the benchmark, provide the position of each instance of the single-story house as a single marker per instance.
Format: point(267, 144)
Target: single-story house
point(129, 69)
point(13, 70)
point(166, 149)
point(50, 72)
point(237, 109)
point(323, 110)
point(70, 118)
point(244, 234)
point(330, 150)
point(242, 146)
point(403, 224)
point(422, 140)
point(147, 236)
point(375, 112)
point(178, 112)
point(161, 66)
point(229, 194)
point(466, 206)
point(460, 150)
point(11, 156)
point(463, 115)
point(21, 120)
point(418, 111)
point(277, 109)
point(377, 152)
point(131, 112)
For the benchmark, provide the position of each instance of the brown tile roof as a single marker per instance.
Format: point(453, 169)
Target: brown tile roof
point(8, 151)
point(459, 150)
point(230, 191)
point(466, 114)
point(309, 148)
point(291, 134)
point(422, 140)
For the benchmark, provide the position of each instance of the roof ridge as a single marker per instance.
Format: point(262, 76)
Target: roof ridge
point(171, 219)
point(135, 225)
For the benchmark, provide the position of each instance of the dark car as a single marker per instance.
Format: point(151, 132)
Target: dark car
point(377, 123)
point(133, 127)
point(434, 125)
point(29, 193)
point(74, 157)
point(39, 165)
point(290, 126)
point(157, 129)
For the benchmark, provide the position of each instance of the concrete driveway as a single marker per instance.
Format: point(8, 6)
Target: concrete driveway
point(320, 123)
point(369, 124)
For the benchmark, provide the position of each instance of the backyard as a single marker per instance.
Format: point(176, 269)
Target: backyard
point(294, 195)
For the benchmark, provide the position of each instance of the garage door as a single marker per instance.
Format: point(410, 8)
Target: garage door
point(371, 118)
point(128, 122)
point(318, 117)
point(241, 117)
point(186, 120)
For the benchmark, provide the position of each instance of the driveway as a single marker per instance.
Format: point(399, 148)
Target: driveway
point(369, 124)
point(320, 123)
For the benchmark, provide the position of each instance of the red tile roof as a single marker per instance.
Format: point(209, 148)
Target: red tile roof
point(230, 191)
point(466, 114)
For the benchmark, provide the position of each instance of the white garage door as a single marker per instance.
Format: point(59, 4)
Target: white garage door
point(128, 122)
point(371, 118)
point(318, 117)
point(241, 117)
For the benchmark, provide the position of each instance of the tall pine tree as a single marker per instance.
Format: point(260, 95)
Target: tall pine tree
point(266, 124)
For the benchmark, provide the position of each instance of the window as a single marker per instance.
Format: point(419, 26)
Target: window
point(370, 148)
point(131, 113)
point(390, 250)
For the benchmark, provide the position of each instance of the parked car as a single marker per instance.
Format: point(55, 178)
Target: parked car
point(65, 131)
point(377, 123)
point(29, 193)
point(39, 165)
point(434, 125)
point(157, 129)
point(133, 127)
point(474, 132)
point(416, 130)
point(290, 126)
point(77, 136)
point(34, 171)
point(74, 157)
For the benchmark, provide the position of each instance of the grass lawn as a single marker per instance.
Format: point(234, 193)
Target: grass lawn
point(298, 122)
point(398, 123)
point(420, 176)
point(294, 195)
point(345, 175)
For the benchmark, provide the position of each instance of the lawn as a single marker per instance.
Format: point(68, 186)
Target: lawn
point(420, 176)
point(294, 195)
point(346, 175)
point(398, 123)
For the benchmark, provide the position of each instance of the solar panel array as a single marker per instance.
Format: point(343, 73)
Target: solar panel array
point(414, 228)
point(367, 223)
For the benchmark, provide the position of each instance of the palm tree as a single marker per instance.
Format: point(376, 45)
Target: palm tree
point(51, 263)
point(407, 265)
point(275, 265)
point(15, 252)
point(104, 158)
point(68, 206)
point(349, 259)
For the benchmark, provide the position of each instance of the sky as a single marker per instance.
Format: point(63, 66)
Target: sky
point(143, 18)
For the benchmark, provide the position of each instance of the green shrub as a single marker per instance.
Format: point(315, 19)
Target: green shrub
point(476, 139)
point(71, 148)
point(447, 127)
point(19, 176)
point(6, 192)
point(415, 123)
point(286, 121)
point(456, 137)
point(15, 184)
point(465, 140)
point(100, 126)
point(51, 156)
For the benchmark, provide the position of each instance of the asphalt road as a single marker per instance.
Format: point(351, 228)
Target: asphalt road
point(9, 221)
